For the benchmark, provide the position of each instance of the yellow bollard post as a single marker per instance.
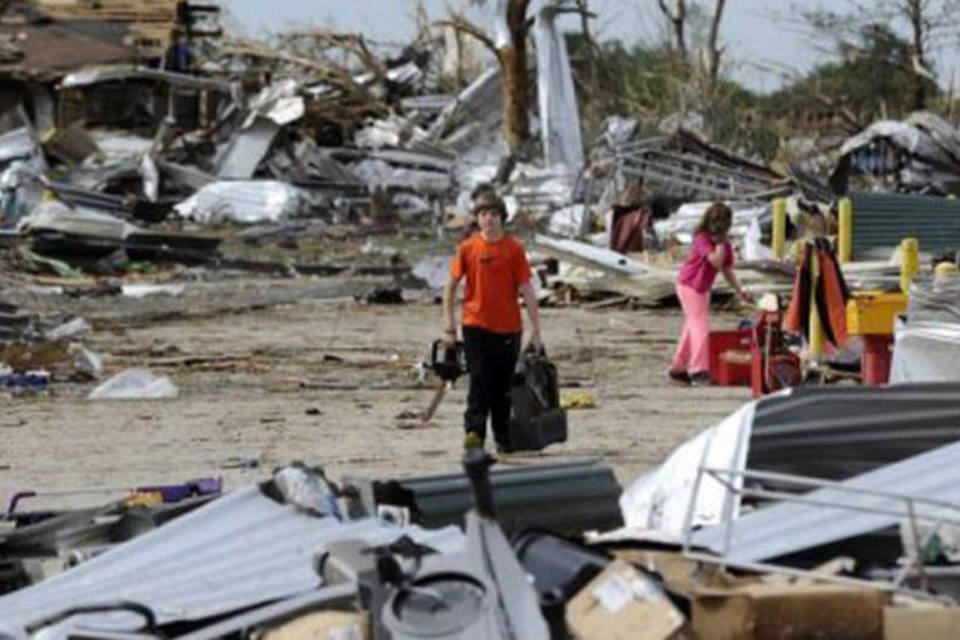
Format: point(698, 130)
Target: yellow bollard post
point(909, 262)
point(817, 346)
point(845, 231)
point(779, 240)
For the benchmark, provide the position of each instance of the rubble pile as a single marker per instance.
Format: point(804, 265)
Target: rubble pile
point(755, 550)
point(145, 154)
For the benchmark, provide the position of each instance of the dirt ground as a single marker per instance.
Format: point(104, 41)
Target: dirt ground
point(273, 370)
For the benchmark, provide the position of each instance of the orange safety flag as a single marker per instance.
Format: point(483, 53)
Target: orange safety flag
point(797, 319)
point(835, 295)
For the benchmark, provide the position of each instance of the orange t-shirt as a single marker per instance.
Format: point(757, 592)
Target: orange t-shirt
point(494, 271)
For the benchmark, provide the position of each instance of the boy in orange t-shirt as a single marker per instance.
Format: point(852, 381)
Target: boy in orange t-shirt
point(496, 270)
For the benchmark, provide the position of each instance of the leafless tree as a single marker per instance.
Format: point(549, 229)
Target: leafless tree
point(677, 17)
point(713, 50)
point(512, 57)
point(925, 24)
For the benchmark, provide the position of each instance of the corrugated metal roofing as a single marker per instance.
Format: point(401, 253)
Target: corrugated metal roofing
point(838, 432)
point(788, 527)
point(241, 550)
point(884, 219)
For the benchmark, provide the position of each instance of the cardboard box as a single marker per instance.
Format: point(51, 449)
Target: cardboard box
point(761, 611)
point(623, 604)
point(926, 622)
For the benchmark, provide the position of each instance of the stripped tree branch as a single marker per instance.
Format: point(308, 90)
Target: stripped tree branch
point(460, 24)
point(678, 22)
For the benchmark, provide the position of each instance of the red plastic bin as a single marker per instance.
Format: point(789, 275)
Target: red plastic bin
point(733, 371)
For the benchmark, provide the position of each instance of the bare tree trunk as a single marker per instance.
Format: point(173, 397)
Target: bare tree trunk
point(918, 71)
point(516, 77)
point(678, 22)
point(516, 96)
point(714, 51)
point(592, 50)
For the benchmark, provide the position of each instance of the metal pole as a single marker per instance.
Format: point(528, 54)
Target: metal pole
point(917, 546)
point(779, 240)
point(845, 231)
point(909, 262)
point(817, 341)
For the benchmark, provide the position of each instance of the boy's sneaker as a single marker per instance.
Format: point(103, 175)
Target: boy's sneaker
point(700, 379)
point(472, 441)
point(678, 377)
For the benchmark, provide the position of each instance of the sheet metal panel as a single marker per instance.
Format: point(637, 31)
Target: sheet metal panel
point(787, 527)
point(241, 550)
point(836, 433)
point(883, 220)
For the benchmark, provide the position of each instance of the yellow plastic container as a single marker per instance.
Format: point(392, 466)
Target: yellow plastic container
point(873, 312)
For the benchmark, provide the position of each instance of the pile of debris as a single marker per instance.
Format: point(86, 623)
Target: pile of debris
point(298, 553)
point(747, 531)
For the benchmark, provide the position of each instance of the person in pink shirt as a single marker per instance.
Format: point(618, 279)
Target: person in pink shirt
point(710, 253)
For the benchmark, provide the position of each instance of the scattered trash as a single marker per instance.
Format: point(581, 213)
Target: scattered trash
point(241, 462)
point(148, 156)
point(383, 295)
point(135, 384)
point(88, 363)
point(571, 401)
point(620, 602)
point(144, 290)
point(307, 490)
point(32, 381)
point(243, 202)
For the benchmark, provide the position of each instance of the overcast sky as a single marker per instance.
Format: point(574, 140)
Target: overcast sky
point(761, 43)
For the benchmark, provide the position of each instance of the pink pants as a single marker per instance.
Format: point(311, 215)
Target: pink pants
point(693, 352)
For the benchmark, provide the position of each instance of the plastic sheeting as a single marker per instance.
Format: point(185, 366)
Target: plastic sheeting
point(280, 103)
point(657, 504)
point(377, 172)
point(921, 134)
point(380, 134)
point(246, 202)
point(926, 352)
point(151, 178)
point(927, 346)
point(935, 301)
point(433, 270)
point(135, 384)
point(682, 223)
point(903, 135)
point(17, 143)
point(559, 116)
point(569, 220)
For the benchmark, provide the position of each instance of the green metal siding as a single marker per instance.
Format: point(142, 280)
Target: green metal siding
point(883, 220)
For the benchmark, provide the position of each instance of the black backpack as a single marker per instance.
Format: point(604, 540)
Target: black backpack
point(536, 419)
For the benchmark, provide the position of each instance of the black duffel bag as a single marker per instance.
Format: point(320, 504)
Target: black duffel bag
point(536, 419)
